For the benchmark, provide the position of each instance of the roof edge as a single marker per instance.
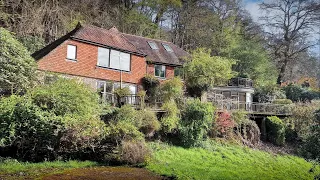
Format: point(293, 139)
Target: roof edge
point(48, 48)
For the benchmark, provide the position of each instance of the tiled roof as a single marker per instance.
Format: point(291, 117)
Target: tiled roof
point(160, 55)
point(123, 42)
point(111, 37)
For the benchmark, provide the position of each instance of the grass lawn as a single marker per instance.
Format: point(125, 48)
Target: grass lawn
point(12, 169)
point(225, 161)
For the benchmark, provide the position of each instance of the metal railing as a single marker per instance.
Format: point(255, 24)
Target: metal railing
point(131, 99)
point(255, 108)
point(240, 82)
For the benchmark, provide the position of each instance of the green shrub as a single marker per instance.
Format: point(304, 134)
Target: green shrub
point(66, 96)
point(311, 147)
point(275, 129)
point(151, 85)
point(196, 121)
point(149, 122)
point(171, 118)
point(172, 89)
point(293, 92)
point(124, 125)
point(121, 92)
point(282, 101)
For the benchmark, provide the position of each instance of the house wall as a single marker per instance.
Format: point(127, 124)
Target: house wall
point(86, 64)
point(169, 71)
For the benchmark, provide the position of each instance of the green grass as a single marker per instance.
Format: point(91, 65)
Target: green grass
point(226, 161)
point(12, 169)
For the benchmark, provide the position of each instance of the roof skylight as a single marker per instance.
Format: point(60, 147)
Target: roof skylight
point(167, 47)
point(153, 45)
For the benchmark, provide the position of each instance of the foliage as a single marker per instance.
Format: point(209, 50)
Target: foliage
point(226, 161)
point(121, 92)
point(268, 93)
point(17, 67)
point(170, 120)
point(205, 71)
point(253, 61)
point(172, 89)
point(298, 124)
point(224, 124)
point(196, 121)
point(133, 152)
point(151, 85)
point(149, 122)
point(275, 129)
point(311, 147)
point(32, 43)
point(282, 101)
point(66, 96)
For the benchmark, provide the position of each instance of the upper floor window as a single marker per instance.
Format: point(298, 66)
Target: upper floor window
point(113, 59)
point(153, 45)
point(160, 71)
point(71, 52)
point(119, 60)
point(167, 47)
point(103, 57)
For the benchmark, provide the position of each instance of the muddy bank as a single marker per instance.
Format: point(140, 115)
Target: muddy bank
point(97, 173)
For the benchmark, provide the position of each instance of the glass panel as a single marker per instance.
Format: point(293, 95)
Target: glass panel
point(125, 61)
point(115, 59)
point(167, 47)
point(153, 45)
point(103, 57)
point(160, 71)
point(71, 51)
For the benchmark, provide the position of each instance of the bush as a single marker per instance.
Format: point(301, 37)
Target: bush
point(124, 125)
point(121, 92)
point(282, 101)
point(133, 152)
point(149, 122)
point(196, 121)
point(172, 89)
point(66, 96)
point(293, 92)
point(250, 133)
point(171, 118)
point(311, 146)
point(224, 124)
point(151, 85)
point(56, 120)
point(275, 129)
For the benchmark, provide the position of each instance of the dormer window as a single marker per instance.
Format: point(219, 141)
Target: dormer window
point(153, 45)
point(167, 47)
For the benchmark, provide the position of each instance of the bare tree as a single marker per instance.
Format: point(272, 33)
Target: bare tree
point(290, 26)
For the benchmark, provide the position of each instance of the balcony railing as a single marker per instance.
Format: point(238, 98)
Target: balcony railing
point(241, 82)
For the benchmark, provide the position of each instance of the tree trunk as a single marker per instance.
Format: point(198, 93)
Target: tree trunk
point(282, 72)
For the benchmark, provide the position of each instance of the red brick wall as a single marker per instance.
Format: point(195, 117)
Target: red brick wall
point(87, 56)
point(169, 71)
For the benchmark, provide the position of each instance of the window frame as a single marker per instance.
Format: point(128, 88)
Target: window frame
point(109, 60)
point(165, 46)
point(152, 42)
point(165, 71)
point(76, 52)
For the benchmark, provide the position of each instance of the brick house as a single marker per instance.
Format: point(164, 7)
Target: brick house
point(104, 59)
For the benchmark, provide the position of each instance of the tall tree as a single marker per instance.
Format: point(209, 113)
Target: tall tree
point(289, 27)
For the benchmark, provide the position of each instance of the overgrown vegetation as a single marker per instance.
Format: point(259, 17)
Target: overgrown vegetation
point(275, 130)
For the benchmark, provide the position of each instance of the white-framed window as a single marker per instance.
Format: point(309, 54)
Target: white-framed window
point(153, 45)
point(160, 71)
point(167, 47)
point(113, 59)
point(71, 52)
point(103, 57)
point(119, 60)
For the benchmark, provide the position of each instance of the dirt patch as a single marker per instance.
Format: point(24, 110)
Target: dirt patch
point(96, 173)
